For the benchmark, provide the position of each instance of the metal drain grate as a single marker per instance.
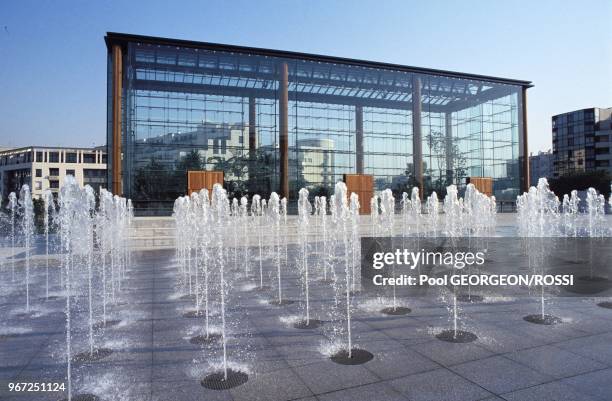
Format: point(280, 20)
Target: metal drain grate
point(98, 353)
point(216, 381)
point(358, 356)
point(398, 311)
point(312, 324)
point(456, 337)
point(547, 320)
point(203, 340)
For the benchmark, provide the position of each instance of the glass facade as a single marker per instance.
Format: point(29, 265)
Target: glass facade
point(573, 142)
point(581, 141)
point(189, 106)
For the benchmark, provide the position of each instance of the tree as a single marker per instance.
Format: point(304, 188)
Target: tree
point(39, 213)
point(234, 172)
point(450, 163)
point(321, 190)
point(192, 161)
point(153, 182)
point(380, 183)
point(246, 175)
point(450, 166)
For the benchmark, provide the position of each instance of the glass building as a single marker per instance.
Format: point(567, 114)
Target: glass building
point(278, 121)
point(582, 141)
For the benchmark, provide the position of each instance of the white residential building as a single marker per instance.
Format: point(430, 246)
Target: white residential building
point(46, 167)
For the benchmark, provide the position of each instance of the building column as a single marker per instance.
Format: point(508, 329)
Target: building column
point(448, 125)
point(523, 145)
point(252, 143)
point(417, 137)
point(252, 125)
point(116, 115)
point(359, 139)
point(283, 133)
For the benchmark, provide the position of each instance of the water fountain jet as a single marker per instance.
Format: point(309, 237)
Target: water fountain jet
point(538, 214)
point(348, 355)
point(27, 228)
point(12, 206)
point(387, 212)
point(304, 211)
point(226, 378)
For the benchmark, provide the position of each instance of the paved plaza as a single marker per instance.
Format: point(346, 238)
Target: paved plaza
point(153, 358)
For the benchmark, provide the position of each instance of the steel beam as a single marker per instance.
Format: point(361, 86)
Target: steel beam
point(283, 132)
point(112, 38)
point(359, 139)
point(252, 124)
point(523, 145)
point(417, 138)
point(252, 141)
point(117, 92)
point(271, 94)
point(448, 125)
point(482, 97)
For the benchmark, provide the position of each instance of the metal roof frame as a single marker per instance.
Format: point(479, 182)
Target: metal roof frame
point(122, 39)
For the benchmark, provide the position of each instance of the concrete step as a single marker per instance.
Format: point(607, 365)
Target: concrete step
point(149, 222)
point(152, 231)
point(152, 242)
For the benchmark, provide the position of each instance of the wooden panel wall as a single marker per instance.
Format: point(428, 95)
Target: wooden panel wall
point(197, 180)
point(363, 186)
point(117, 163)
point(483, 184)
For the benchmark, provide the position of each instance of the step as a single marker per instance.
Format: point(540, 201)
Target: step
point(151, 242)
point(152, 231)
point(157, 222)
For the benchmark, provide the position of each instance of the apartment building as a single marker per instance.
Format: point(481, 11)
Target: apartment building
point(582, 141)
point(46, 168)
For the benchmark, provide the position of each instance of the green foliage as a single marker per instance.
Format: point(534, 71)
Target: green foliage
point(235, 170)
point(163, 182)
point(192, 161)
point(39, 215)
point(238, 181)
point(321, 190)
point(448, 154)
point(155, 182)
point(405, 186)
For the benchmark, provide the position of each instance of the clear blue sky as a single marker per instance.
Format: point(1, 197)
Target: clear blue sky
point(53, 57)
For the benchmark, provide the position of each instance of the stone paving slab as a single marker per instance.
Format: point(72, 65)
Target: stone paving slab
point(554, 391)
point(278, 385)
point(554, 361)
point(500, 375)
point(367, 392)
point(597, 347)
point(325, 376)
point(449, 354)
point(438, 384)
point(594, 384)
point(397, 361)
